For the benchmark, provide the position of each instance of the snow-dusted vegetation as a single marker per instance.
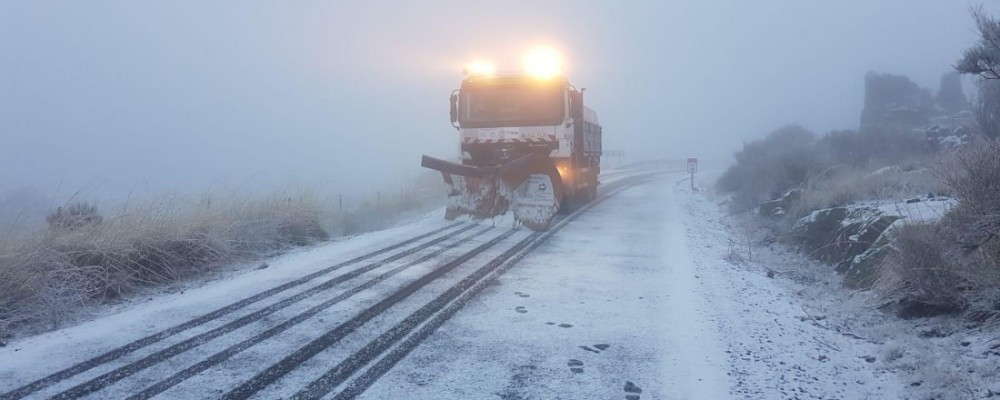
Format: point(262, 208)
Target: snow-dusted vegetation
point(905, 209)
point(85, 256)
point(862, 199)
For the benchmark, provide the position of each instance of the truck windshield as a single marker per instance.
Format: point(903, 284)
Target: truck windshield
point(511, 105)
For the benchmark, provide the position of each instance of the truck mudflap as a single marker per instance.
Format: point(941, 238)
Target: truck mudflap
point(529, 187)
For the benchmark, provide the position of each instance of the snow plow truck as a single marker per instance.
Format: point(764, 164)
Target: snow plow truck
point(528, 144)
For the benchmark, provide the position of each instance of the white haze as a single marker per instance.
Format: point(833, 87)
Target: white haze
point(114, 97)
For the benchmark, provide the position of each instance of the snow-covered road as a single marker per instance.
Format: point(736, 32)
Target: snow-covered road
point(631, 300)
point(635, 300)
point(611, 299)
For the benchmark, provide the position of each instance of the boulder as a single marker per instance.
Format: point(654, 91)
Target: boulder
point(863, 237)
point(862, 270)
point(855, 239)
point(830, 234)
point(817, 230)
point(771, 208)
point(778, 207)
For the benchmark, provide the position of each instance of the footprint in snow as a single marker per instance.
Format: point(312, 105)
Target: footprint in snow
point(521, 309)
point(575, 365)
point(519, 294)
point(632, 391)
point(599, 348)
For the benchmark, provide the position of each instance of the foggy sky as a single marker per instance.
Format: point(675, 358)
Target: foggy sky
point(136, 96)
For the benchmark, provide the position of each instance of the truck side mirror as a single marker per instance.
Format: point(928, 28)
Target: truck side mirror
point(454, 108)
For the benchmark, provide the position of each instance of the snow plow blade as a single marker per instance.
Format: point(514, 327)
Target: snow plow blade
point(529, 186)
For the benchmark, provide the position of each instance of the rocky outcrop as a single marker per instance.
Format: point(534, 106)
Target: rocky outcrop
point(895, 102)
point(855, 239)
point(950, 96)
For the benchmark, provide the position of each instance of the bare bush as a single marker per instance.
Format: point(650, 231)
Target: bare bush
point(974, 176)
point(920, 278)
point(974, 224)
point(74, 216)
point(782, 160)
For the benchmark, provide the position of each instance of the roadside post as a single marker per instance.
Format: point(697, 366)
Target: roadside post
point(692, 168)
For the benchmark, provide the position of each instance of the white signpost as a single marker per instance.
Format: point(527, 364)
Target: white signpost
point(692, 168)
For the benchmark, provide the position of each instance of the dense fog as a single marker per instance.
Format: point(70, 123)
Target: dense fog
point(116, 98)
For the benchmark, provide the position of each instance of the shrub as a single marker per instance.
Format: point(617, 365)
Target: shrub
point(921, 278)
point(764, 168)
point(974, 224)
point(974, 175)
point(74, 216)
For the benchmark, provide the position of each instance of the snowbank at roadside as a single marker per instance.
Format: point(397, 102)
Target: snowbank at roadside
point(847, 348)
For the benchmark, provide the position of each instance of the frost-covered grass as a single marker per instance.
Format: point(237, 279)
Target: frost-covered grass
point(48, 275)
point(839, 186)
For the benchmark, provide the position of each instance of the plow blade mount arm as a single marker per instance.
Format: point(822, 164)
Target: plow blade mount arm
point(472, 171)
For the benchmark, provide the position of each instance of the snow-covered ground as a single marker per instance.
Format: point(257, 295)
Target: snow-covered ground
point(636, 299)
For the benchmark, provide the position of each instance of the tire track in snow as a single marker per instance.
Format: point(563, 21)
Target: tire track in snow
point(223, 355)
point(292, 361)
point(463, 291)
point(123, 372)
point(121, 351)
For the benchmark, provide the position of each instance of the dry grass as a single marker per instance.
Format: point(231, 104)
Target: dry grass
point(839, 186)
point(425, 193)
point(920, 278)
point(974, 225)
point(46, 275)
